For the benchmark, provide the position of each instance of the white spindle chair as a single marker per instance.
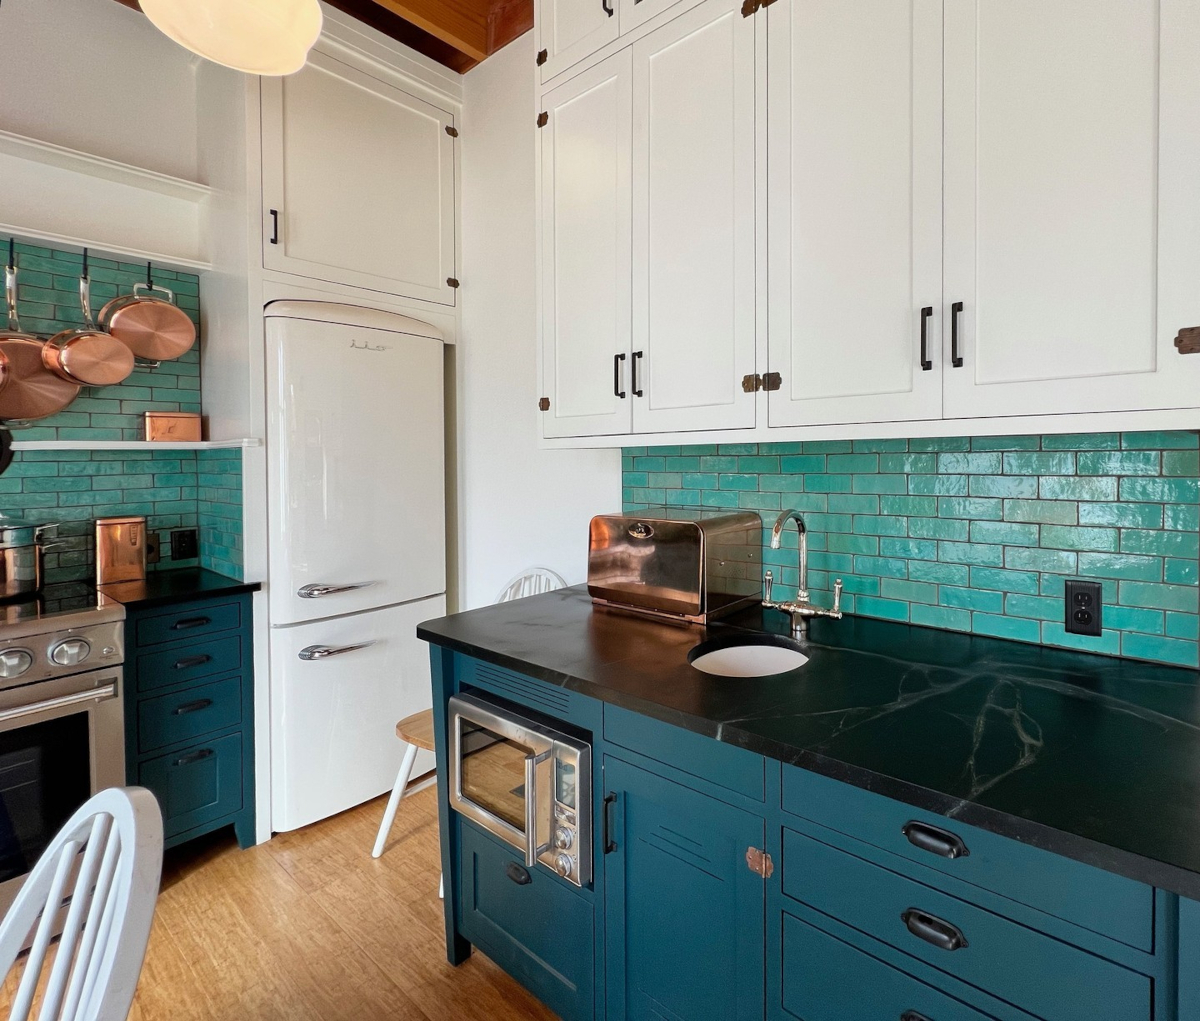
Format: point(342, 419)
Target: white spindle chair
point(531, 583)
point(107, 860)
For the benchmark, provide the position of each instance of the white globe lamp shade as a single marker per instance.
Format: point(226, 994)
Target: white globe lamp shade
point(268, 37)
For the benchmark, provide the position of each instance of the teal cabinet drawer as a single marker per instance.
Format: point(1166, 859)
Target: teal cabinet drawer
point(189, 713)
point(528, 922)
point(195, 621)
point(1032, 971)
point(1111, 905)
point(825, 979)
point(724, 765)
point(197, 785)
point(181, 664)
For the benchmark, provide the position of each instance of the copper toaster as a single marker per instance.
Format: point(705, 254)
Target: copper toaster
point(676, 562)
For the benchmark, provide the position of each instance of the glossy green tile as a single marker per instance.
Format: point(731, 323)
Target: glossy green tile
point(1181, 625)
point(939, 573)
point(853, 463)
point(1160, 440)
point(781, 483)
point(844, 503)
point(891, 484)
point(1006, 533)
point(716, 463)
point(909, 591)
point(1120, 565)
point(1058, 463)
point(1133, 618)
point(908, 464)
point(1126, 515)
point(803, 464)
point(1163, 597)
point(1023, 486)
point(1041, 512)
point(971, 553)
point(940, 443)
point(665, 480)
point(1160, 543)
point(1119, 462)
point(880, 525)
point(1016, 628)
point(974, 508)
point(908, 506)
point(909, 549)
point(1036, 607)
point(1161, 650)
point(944, 617)
point(1182, 517)
point(888, 609)
point(937, 485)
point(1071, 537)
point(1108, 643)
point(971, 599)
point(683, 464)
point(1071, 487)
point(760, 464)
point(1181, 572)
point(879, 446)
point(939, 528)
point(1005, 442)
point(1002, 580)
point(1181, 462)
point(840, 542)
point(1053, 561)
point(739, 482)
point(883, 567)
point(736, 448)
point(827, 483)
point(1082, 441)
point(697, 480)
point(1152, 490)
point(969, 464)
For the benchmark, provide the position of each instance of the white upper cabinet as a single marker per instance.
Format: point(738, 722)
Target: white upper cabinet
point(569, 30)
point(1072, 223)
point(585, 252)
point(358, 182)
point(854, 144)
point(694, 222)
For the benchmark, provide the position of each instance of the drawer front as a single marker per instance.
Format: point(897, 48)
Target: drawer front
point(180, 664)
point(538, 930)
point(192, 712)
point(197, 785)
point(194, 621)
point(825, 979)
point(1032, 971)
point(1111, 905)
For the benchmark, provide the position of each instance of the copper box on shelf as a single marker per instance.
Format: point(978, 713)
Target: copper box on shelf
point(173, 426)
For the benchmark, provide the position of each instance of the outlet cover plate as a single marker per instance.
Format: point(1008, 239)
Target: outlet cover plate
point(184, 544)
point(1084, 608)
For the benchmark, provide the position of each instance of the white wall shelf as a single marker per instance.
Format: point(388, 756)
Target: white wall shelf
point(72, 198)
point(134, 444)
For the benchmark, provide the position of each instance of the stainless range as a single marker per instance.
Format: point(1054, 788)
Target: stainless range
point(62, 729)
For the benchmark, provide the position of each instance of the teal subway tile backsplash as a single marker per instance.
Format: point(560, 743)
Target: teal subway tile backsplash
point(973, 534)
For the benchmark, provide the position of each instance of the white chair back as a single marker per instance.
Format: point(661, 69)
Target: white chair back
point(107, 861)
point(533, 582)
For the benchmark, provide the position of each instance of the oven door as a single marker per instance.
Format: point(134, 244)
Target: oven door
point(500, 773)
point(61, 741)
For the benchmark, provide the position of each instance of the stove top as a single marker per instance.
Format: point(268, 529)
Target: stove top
point(66, 629)
point(50, 609)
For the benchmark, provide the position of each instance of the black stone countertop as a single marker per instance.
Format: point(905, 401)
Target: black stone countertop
point(162, 588)
point(1091, 757)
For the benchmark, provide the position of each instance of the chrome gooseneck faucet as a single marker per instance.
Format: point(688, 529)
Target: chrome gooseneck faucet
point(800, 608)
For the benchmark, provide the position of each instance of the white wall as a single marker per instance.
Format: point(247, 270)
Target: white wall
point(96, 76)
point(518, 506)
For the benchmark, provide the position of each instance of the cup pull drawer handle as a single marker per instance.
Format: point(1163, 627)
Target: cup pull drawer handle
point(933, 930)
point(190, 661)
point(191, 757)
point(934, 840)
point(193, 707)
point(518, 873)
point(190, 622)
point(912, 1015)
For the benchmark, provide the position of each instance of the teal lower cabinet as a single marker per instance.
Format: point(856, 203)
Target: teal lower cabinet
point(189, 714)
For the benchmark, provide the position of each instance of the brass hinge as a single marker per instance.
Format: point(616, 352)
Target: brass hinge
point(543, 119)
point(771, 381)
point(451, 281)
point(1188, 341)
point(544, 404)
point(542, 57)
point(751, 382)
point(452, 131)
point(759, 862)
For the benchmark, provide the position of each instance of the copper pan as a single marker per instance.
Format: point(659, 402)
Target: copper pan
point(87, 355)
point(153, 329)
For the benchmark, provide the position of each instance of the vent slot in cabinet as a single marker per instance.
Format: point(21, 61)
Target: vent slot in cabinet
point(525, 690)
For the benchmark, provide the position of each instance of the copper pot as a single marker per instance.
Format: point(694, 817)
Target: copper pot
point(87, 355)
point(153, 329)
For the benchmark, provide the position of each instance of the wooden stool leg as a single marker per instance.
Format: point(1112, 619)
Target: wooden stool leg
point(389, 815)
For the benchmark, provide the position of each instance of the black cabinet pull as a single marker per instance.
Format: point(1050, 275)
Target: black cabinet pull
point(912, 1015)
point(934, 840)
point(637, 357)
point(955, 358)
point(926, 313)
point(607, 7)
point(274, 226)
point(933, 930)
point(190, 661)
point(190, 622)
point(193, 707)
point(198, 756)
point(610, 845)
point(617, 391)
point(519, 874)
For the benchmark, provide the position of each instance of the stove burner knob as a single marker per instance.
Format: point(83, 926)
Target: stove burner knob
point(563, 838)
point(14, 662)
point(562, 865)
point(70, 652)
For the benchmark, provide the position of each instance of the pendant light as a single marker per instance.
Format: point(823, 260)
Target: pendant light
point(268, 37)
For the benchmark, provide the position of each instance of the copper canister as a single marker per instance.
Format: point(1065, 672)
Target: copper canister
point(172, 426)
point(120, 549)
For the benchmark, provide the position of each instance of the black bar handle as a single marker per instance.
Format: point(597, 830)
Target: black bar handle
point(607, 7)
point(934, 840)
point(933, 930)
point(519, 874)
point(190, 622)
point(200, 756)
point(912, 1015)
point(637, 357)
point(955, 358)
point(926, 313)
point(610, 845)
point(274, 226)
point(190, 661)
point(617, 391)
point(193, 707)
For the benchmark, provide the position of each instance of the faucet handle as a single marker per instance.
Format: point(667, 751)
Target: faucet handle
point(768, 584)
point(837, 596)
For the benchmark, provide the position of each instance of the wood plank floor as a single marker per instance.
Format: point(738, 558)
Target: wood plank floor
point(309, 927)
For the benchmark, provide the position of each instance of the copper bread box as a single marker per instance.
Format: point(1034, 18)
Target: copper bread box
point(676, 562)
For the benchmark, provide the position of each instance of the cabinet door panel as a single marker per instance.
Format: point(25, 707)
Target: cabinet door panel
point(694, 220)
point(1072, 216)
point(684, 914)
point(585, 252)
point(570, 30)
point(854, 209)
point(361, 175)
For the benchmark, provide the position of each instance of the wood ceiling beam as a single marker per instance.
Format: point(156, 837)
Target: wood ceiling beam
point(462, 24)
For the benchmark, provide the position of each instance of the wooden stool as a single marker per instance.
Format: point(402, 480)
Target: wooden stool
point(416, 731)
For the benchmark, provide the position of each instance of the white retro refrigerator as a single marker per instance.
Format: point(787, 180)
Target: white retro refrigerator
point(357, 547)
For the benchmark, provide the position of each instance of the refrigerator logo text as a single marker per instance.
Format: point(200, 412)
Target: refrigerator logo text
point(364, 346)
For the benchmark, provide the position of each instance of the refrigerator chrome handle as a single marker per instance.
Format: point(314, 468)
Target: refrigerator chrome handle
point(316, 591)
point(315, 652)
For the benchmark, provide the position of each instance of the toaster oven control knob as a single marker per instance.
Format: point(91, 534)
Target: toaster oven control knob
point(14, 662)
point(70, 651)
point(563, 865)
point(563, 838)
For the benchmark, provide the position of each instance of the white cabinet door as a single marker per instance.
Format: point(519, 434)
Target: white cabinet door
point(693, 221)
point(569, 30)
point(1072, 204)
point(854, 210)
point(585, 252)
point(358, 182)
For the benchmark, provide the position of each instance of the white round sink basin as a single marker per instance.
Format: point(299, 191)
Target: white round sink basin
point(747, 656)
